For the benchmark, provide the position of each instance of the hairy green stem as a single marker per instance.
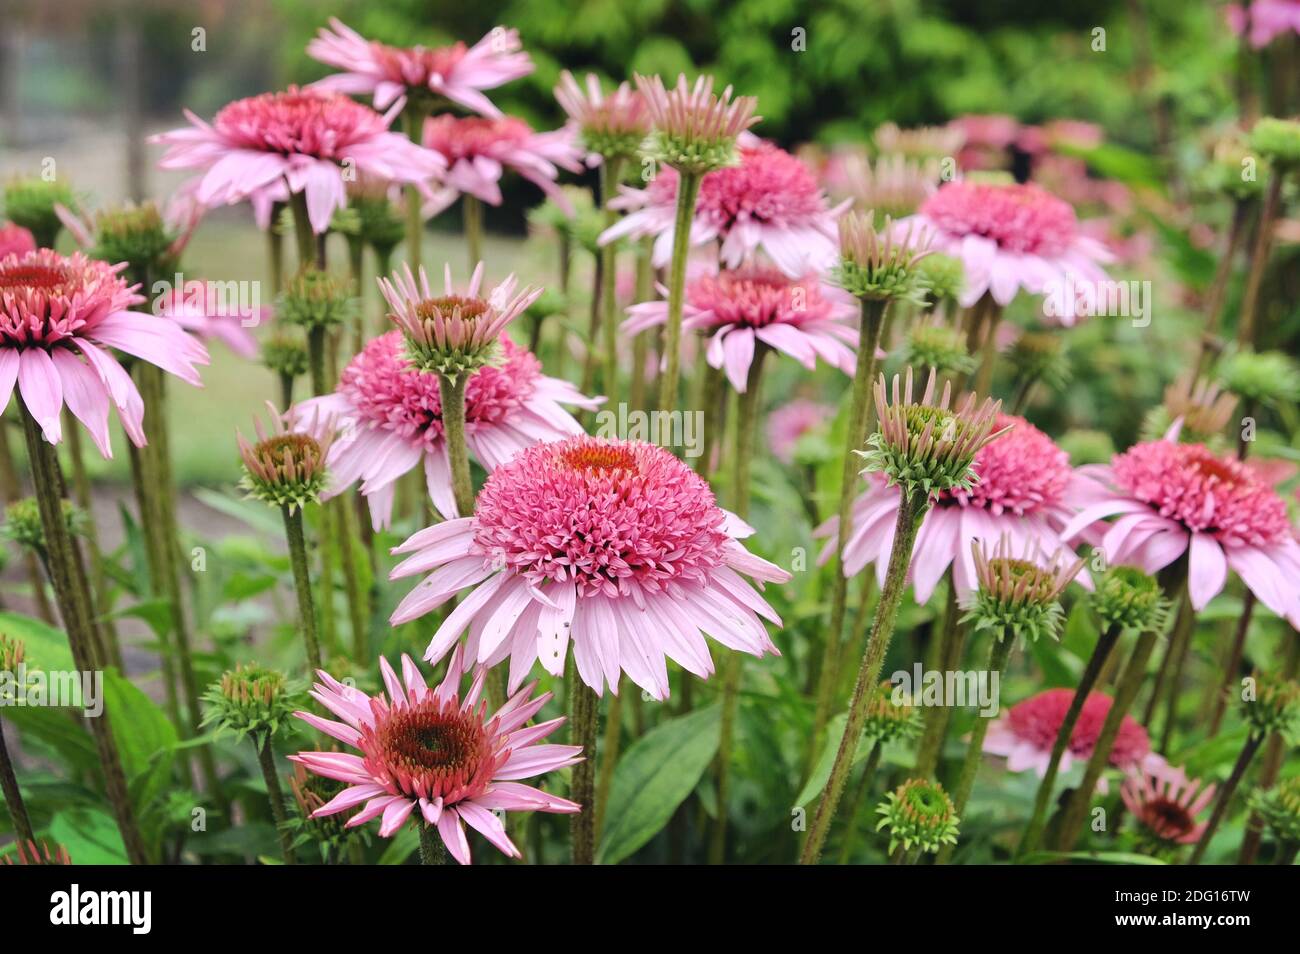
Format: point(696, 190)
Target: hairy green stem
point(610, 174)
point(1229, 788)
point(266, 758)
point(302, 582)
point(860, 792)
point(641, 343)
point(583, 715)
point(413, 121)
point(472, 215)
point(952, 641)
point(13, 795)
point(432, 850)
point(688, 190)
point(912, 506)
point(452, 392)
point(855, 435)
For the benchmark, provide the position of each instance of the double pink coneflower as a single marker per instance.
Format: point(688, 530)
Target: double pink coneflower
point(59, 316)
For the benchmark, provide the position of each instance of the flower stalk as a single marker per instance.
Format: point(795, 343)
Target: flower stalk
point(451, 390)
point(688, 190)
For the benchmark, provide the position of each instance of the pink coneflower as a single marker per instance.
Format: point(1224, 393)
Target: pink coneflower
point(1025, 734)
point(51, 309)
point(789, 422)
point(201, 309)
point(457, 72)
point(304, 137)
point(1010, 237)
point(437, 751)
point(1173, 499)
point(1266, 20)
point(694, 130)
point(616, 546)
point(769, 202)
point(15, 240)
point(1025, 491)
point(1167, 806)
point(757, 304)
point(477, 152)
point(391, 416)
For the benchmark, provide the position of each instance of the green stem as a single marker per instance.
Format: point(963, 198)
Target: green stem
point(73, 594)
point(746, 427)
point(688, 190)
point(860, 792)
point(346, 524)
point(610, 174)
point(1248, 324)
point(13, 795)
point(266, 758)
point(952, 645)
point(275, 250)
point(302, 230)
point(1096, 662)
point(609, 749)
point(1221, 802)
point(999, 653)
point(582, 786)
point(432, 850)
point(1130, 681)
point(472, 213)
point(302, 582)
point(855, 435)
point(452, 393)
point(99, 586)
point(641, 343)
point(316, 336)
point(912, 506)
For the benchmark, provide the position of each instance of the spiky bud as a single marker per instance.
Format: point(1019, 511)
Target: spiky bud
point(1277, 140)
point(1226, 172)
point(1279, 808)
point(1273, 706)
point(613, 126)
point(251, 700)
point(23, 523)
point(694, 131)
point(1040, 356)
point(942, 276)
point(1017, 596)
point(284, 352)
point(316, 299)
point(888, 721)
point(880, 266)
point(29, 853)
point(30, 203)
point(1128, 598)
point(925, 445)
point(918, 814)
point(13, 653)
point(936, 345)
point(137, 235)
point(1202, 410)
point(1260, 377)
point(285, 468)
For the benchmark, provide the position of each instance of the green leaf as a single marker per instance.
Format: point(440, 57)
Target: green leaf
point(146, 739)
point(653, 777)
point(156, 614)
point(821, 772)
point(47, 647)
point(254, 513)
point(401, 846)
point(67, 738)
point(1101, 857)
point(90, 836)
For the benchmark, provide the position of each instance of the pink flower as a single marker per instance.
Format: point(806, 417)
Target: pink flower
point(985, 139)
point(617, 547)
point(437, 751)
point(1174, 499)
point(15, 240)
point(201, 309)
point(1010, 237)
point(391, 415)
point(477, 152)
point(801, 318)
point(1025, 490)
point(770, 201)
point(1167, 807)
point(1266, 20)
point(58, 318)
point(615, 124)
point(789, 422)
point(304, 137)
point(457, 72)
point(1026, 733)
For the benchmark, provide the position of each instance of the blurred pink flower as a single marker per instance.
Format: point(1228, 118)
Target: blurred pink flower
point(304, 138)
point(456, 72)
point(15, 240)
point(477, 152)
point(1266, 19)
point(769, 202)
point(202, 309)
point(616, 547)
point(53, 309)
point(436, 751)
point(754, 304)
point(1009, 237)
point(1167, 806)
point(789, 422)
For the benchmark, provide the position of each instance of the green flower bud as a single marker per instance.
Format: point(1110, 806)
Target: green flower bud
point(30, 203)
point(251, 699)
point(1277, 140)
point(316, 299)
point(918, 814)
point(1130, 599)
